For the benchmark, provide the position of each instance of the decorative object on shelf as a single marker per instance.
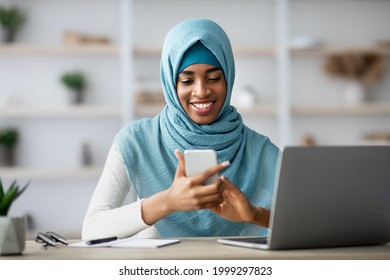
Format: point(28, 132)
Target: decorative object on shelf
point(305, 43)
point(71, 37)
point(8, 139)
point(308, 141)
point(12, 229)
point(246, 97)
point(76, 82)
point(86, 154)
point(377, 139)
point(359, 69)
point(383, 44)
point(11, 20)
point(354, 92)
point(150, 98)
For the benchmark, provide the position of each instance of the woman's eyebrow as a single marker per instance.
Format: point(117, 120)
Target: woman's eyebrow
point(188, 72)
point(213, 69)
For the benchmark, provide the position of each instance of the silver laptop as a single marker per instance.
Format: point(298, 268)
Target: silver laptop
point(328, 197)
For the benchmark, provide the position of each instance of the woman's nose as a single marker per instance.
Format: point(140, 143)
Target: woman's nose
point(200, 90)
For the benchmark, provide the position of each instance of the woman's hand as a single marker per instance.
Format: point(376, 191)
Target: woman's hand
point(237, 208)
point(185, 193)
point(188, 193)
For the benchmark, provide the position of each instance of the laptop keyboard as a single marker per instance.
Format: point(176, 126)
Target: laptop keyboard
point(257, 240)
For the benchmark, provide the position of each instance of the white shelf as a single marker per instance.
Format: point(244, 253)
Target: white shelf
point(258, 110)
point(368, 109)
point(336, 50)
point(60, 112)
point(148, 110)
point(113, 50)
point(39, 49)
point(81, 111)
point(34, 173)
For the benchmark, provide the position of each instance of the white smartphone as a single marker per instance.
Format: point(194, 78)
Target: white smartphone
point(197, 161)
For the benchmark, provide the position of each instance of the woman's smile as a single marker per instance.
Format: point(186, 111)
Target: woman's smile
point(203, 107)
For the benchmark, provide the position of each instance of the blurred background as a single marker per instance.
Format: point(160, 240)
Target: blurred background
point(72, 73)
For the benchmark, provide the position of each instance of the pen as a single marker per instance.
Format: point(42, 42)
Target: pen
point(101, 240)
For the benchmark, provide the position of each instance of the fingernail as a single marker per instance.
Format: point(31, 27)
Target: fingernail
point(225, 163)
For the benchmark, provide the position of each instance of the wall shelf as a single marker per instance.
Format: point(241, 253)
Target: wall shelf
point(40, 172)
point(368, 109)
point(113, 50)
point(336, 50)
point(82, 111)
point(40, 49)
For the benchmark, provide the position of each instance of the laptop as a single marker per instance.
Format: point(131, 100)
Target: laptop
point(328, 196)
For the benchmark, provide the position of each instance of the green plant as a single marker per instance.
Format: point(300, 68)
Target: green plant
point(9, 196)
point(74, 80)
point(8, 136)
point(12, 17)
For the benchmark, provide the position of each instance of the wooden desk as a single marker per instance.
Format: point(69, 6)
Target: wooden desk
point(198, 248)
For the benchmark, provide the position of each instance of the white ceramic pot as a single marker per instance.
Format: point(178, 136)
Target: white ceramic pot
point(354, 93)
point(12, 235)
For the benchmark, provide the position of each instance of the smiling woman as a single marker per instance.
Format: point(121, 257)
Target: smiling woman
point(197, 74)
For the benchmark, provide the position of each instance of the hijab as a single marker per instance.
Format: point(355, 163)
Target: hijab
point(148, 145)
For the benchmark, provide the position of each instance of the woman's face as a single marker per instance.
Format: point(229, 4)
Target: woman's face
point(201, 89)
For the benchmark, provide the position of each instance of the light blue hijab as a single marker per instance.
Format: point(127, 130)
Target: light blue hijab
point(148, 145)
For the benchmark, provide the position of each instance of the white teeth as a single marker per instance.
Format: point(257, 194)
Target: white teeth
point(202, 106)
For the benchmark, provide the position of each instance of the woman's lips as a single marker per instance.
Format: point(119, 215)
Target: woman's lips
point(202, 107)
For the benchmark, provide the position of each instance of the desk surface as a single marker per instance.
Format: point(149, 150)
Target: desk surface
point(198, 248)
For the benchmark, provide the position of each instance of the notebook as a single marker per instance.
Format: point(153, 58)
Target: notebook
point(130, 242)
point(328, 197)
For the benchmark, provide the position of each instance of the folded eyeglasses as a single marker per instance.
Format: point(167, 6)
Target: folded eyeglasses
point(50, 239)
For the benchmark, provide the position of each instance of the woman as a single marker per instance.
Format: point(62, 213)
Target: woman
point(197, 74)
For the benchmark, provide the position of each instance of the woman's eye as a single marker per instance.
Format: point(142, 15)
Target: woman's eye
point(186, 81)
point(214, 79)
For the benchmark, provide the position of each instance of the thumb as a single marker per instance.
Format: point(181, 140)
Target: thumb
point(180, 171)
point(228, 185)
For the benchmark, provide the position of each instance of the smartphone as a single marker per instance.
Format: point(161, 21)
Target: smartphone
point(197, 161)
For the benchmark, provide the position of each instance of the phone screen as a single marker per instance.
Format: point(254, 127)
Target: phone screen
point(197, 161)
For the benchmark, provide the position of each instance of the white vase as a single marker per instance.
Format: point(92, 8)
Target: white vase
point(12, 235)
point(246, 97)
point(354, 93)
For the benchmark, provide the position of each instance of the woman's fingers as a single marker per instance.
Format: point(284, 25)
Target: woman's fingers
point(209, 200)
point(180, 170)
point(203, 176)
point(190, 191)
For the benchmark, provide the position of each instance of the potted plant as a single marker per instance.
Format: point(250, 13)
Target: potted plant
point(12, 229)
point(8, 139)
point(359, 69)
point(76, 82)
point(11, 20)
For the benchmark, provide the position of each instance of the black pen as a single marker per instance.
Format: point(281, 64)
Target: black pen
point(102, 240)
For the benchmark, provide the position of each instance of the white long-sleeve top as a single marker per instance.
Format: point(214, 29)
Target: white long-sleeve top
point(115, 209)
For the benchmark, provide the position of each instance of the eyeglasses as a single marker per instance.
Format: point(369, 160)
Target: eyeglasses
point(50, 239)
